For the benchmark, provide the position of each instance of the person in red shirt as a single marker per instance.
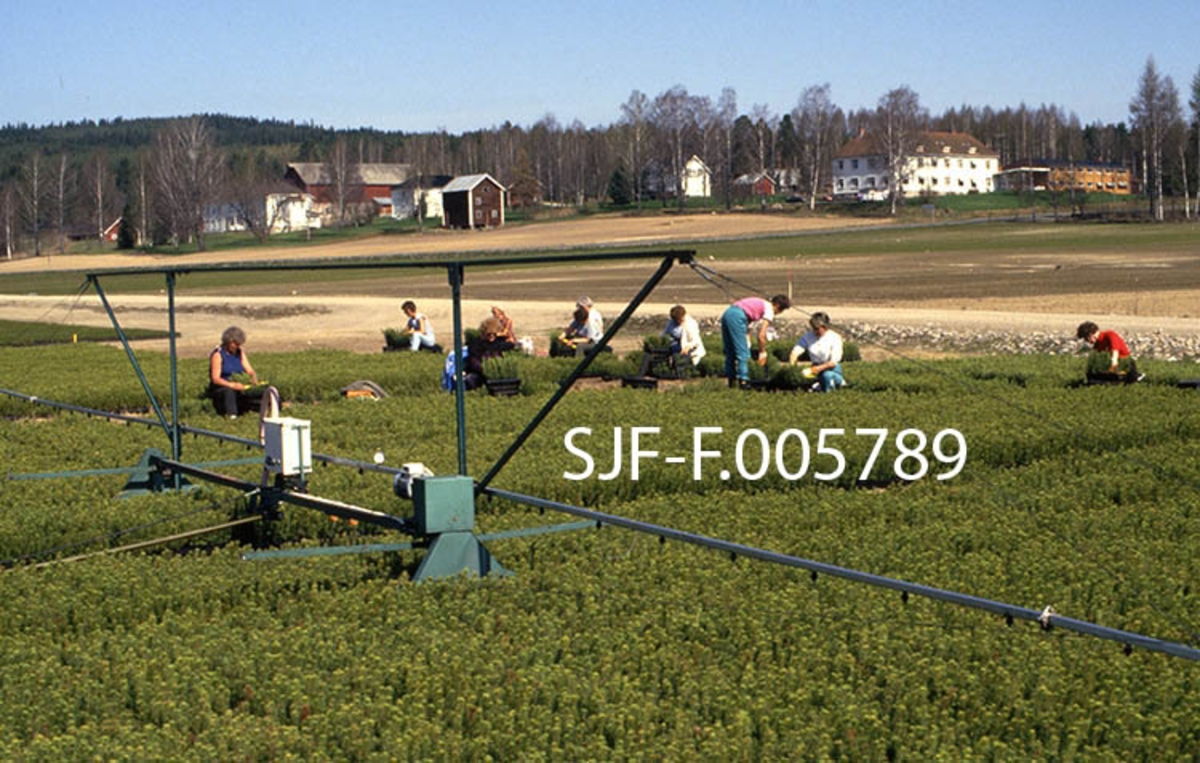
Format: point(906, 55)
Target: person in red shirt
point(1121, 366)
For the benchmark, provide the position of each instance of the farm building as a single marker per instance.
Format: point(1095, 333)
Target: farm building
point(473, 201)
point(754, 184)
point(695, 178)
point(281, 212)
point(941, 163)
point(1061, 175)
point(370, 184)
point(407, 196)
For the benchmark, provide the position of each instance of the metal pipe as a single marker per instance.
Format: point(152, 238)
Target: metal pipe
point(565, 386)
point(162, 419)
point(324, 505)
point(176, 440)
point(455, 274)
point(1045, 618)
point(414, 261)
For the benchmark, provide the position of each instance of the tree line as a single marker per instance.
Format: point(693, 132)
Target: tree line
point(74, 179)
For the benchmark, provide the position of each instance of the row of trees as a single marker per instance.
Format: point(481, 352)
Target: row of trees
point(162, 175)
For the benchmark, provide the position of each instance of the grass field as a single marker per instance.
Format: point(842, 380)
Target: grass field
point(23, 333)
point(605, 643)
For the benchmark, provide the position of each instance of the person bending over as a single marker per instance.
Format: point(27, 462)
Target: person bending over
point(735, 322)
point(1111, 361)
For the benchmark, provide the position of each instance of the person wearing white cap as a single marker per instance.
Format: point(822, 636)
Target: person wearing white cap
point(595, 321)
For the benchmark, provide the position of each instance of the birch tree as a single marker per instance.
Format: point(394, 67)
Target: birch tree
point(344, 179)
point(7, 214)
point(1150, 112)
point(188, 171)
point(673, 117)
point(32, 191)
point(726, 114)
point(897, 122)
point(60, 193)
point(813, 116)
point(635, 117)
point(101, 192)
point(1194, 102)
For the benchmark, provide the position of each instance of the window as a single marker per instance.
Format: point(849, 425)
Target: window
point(853, 184)
point(840, 167)
point(854, 164)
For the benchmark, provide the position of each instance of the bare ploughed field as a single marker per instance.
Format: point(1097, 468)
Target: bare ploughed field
point(1139, 291)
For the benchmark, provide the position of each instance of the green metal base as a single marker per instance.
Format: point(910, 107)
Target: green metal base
point(145, 479)
point(451, 554)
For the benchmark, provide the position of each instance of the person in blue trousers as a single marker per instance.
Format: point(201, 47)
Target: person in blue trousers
point(735, 323)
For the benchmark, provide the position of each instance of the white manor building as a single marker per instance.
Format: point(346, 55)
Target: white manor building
point(942, 163)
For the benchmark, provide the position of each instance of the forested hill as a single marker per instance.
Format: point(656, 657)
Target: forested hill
point(118, 137)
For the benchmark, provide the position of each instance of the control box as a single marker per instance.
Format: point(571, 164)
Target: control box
point(288, 445)
point(443, 504)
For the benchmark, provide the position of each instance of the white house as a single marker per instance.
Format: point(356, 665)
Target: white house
point(697, 179)
point(406, 196)
point(285, 212)
point(941, 163)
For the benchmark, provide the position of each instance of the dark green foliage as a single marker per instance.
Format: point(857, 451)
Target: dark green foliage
point(620, 188)
point(23, 334)
point(126, 237)
point(606, 644)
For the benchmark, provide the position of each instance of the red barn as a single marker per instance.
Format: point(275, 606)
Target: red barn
point(473, 201)
point(372, 181)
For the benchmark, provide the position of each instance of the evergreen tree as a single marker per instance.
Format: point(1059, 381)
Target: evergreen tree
point(126, 238)
point(620, 190)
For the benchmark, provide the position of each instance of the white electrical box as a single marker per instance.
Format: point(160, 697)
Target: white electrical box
point(288, 444)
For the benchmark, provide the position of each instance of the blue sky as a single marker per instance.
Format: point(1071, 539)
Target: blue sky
point(464, 65)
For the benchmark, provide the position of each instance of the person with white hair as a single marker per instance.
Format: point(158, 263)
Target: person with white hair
point(824, 348)
point(594, 327)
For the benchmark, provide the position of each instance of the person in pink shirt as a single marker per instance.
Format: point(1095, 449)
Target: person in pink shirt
point(735, 322)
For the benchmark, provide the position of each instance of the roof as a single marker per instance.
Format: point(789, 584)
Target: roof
point(467, 182)
point(697, 160)
point(1046, 164)
point(927, 143)
point(430, 182)
point(375, 173)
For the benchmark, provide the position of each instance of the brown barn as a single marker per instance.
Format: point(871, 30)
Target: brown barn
point(473, 201)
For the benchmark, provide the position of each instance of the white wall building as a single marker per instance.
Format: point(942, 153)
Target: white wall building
point(286, 212)
point(942, 163)
point(697, 179)
point(405, 196)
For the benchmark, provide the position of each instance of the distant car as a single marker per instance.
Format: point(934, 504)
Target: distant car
point(872, 194)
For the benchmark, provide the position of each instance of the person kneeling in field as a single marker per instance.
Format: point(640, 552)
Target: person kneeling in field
point(1110, 360)
point(684, 332)
point(489, 344)
point(228, 363)
point(823, 346)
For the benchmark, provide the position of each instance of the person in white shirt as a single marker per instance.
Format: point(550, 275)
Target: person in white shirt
point(684, 332)
point(418, 327)
point(595, 321)
point(824, 348)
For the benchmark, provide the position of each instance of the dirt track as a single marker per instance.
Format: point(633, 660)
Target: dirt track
point(1142, 292)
